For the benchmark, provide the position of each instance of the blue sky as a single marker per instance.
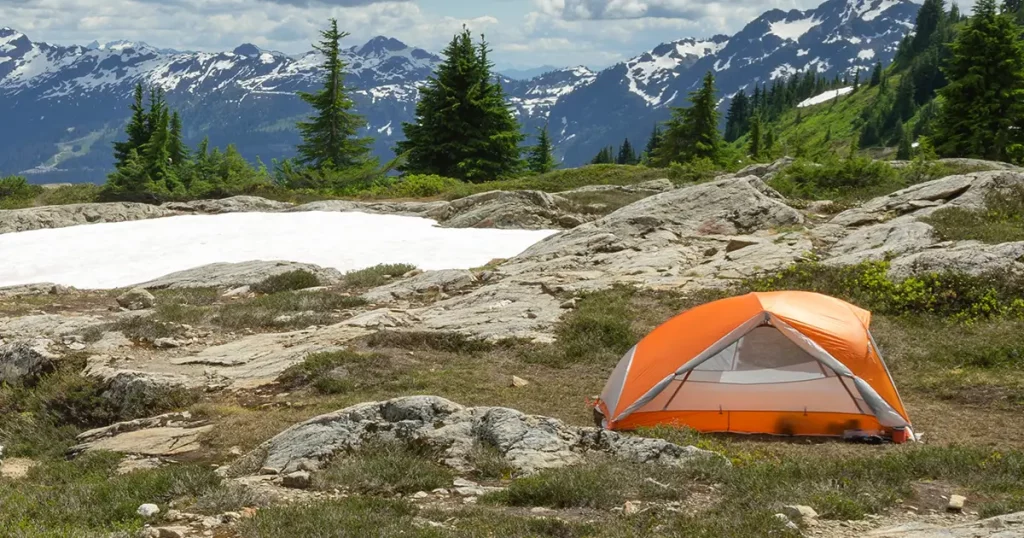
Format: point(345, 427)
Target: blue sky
point(523, 33)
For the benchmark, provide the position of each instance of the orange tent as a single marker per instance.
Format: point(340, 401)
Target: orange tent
point(790, 363)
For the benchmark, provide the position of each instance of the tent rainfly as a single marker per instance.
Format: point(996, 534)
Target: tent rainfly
point(785, 363)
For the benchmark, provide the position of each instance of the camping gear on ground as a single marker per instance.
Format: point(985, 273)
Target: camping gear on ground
point(785, 363)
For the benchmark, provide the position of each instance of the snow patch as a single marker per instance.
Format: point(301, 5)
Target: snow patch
point(793, 29)
point(882, 6)
point(866, 54)
point(803, 52)
point(824, 97)
point(110, 255)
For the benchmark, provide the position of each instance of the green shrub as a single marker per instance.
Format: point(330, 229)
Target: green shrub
point(377, 275)
point(384, 467)
point(298, 279)
point(354, 517)
point(79, 193)
point(418, 186)
point(16, 192)
point(696, 171)
point(599, 330)
point(439, 341)
point(857, 177)
point(336, 372)
point(1001, 221)
point(305, 308)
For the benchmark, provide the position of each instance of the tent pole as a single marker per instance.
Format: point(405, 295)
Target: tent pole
point(687, 376)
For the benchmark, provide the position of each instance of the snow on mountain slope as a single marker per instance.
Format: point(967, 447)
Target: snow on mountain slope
point(63, 105)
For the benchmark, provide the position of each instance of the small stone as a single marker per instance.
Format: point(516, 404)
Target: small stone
point(571, 303)
point(237, 292)
point(786, 522)
point(440, 491)
point(297, 480)
point(519, 382)
point(149, 532)
point(420, 495)
point(166, 343)
point(652, 481)
point(463, 483)
point(235, 451)
point(799, 513)
point(173, 515)
point(956, 503)
point(76, 346)
point(136, 299)
point(148, 510)
point(540, 510)
point(171, 532)
point(469, 500)
point(249, 511)
point(629, 508)
point(230, 517)
point(269, 470)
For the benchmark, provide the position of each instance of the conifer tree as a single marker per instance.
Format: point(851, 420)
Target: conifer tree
point(136, 130)
point(653, 142)
point(156, 155)
point(463, 128)
point(903, 150)
point(329, 137)
point(605, 156)
point(540, 159)
point(754, 144)
point(856, 80)
point(954, 13)
point(876, 75)
point(738, 118)
point(626, 154)
point(769, 142)
point(692, 132)
point(982, 111)
point(928, 19)
point(176, 148)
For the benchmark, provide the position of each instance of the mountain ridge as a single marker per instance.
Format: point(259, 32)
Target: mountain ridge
point(74, 98)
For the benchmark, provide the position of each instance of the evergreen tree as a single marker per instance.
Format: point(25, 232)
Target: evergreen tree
point(954, 13)
point(605, 156)
point(903, 107)
point(928, 19)
point(156, 155)
point(131, 176)
point(769, 142)
point(738, 117)
point(540, 159)
point(136, 130)
point(876, 75)
point(1011, 7)
point(176, 149)
point(627, 155)
point(754, 145)
point(692, 132)
point(903, 150)
point(653, 142)
point(464, 128)
point(982, 112)
point(329, 137)
point(856, 80)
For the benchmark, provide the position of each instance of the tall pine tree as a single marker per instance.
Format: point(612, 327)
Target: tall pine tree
point(540, 159)
point(876, 75)
point(329, 137)
point(137, 130)
point(653, 142)
point(464, 128)
point(982, 111)
point(627, 155)
point(738, 117)
point(754, 143)
point(605, 156)
point(692, 132)
point(176, 148)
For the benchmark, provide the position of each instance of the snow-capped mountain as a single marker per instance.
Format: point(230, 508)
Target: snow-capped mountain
point(62, 106)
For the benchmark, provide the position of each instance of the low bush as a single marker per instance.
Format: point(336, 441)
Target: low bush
point(695, 171)
point(857, 177)
point(378, 275)
point(85, 497)
point(17, 192)
point(1001, 221)
point(336, 372)
point(298, 308)
point(598, 330)
point(298, 279)
point(384, 468)
point(79, 193)
point(354, 517)
point(438, 341)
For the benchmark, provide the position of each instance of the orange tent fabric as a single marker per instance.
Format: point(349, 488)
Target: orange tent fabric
point(788, 362)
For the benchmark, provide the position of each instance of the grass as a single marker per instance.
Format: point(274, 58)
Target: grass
point(85, 497)
point(378, 275)
point(337, 371)
point(355, 517)
point(434, 340)
point(1001, 221)
point(384, 468)
point(16, 193)
point(298, 279)
point(602, 202)
point(567, 179)
point(599, 484)
point(303, 308)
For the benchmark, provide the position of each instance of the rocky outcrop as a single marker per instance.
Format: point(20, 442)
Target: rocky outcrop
point(653, 186)
point(46, 325)
point(428, 210)
point(234, 275)
point(23, 362)
point(171, 434)
point(444, 281)
point(1005, 526)
point(42, 288)
point(529, 210)
point(136, 299)
point(234, 204)
point(37, 218)
point(528, 443)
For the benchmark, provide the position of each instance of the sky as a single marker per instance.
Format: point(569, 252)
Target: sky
point(523, 33)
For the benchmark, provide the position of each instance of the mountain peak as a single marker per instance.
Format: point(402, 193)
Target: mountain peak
point(247, 49)
point(381, 44)
point(7, 31)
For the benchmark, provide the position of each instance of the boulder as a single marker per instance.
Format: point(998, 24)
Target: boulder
point(23, 362)
point(136, 299)
point(43, 288)
point(447, 280)
point(531, 210)
point(46, 325)
point(60, 216)
point(235, 275)
point(528, 443)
